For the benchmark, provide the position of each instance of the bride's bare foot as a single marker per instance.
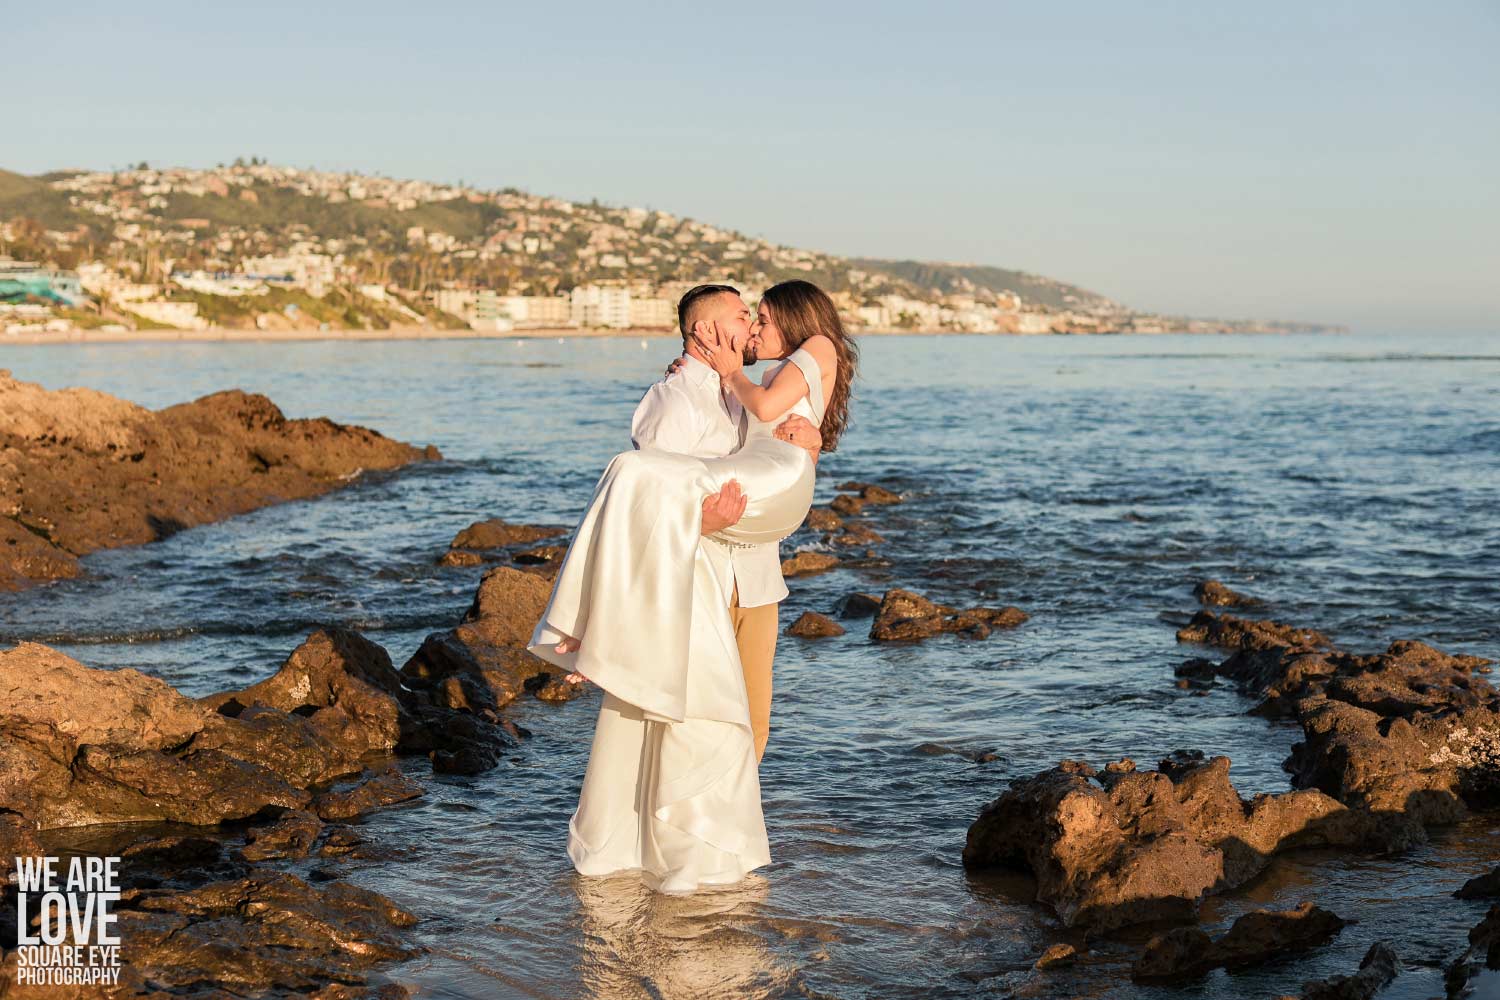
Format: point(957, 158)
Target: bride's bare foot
point(571, 645)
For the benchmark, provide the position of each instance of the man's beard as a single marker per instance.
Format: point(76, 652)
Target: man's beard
point(748, 355)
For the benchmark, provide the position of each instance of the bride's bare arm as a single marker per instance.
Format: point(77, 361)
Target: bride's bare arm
point(798, 430)
point(767, 401)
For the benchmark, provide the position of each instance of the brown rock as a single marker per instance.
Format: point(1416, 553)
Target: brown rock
point(483, 663)
point(540, 555)
point(857, 605)
point(342, 683)
point(373, 792)
point(847, 505)
point(290, 836)
point(460, 557)
point(1137, 846)
point(1482, 953)
point(149, 474)
point(1215, 594)
point(871, 492)
point(1254, 938)
point(1486, 886)
point(1229, 632)
point(908, 617)
point(1057, 955)
point(856, 534)
point(81, 746)
point(822, 519)
point(811, 625)
point(497, 534)
point(1376, 970)
point(17, 840)
point(808, 563)
point(270, 934)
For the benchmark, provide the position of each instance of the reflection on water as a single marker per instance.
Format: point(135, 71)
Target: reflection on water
point(1352, 482)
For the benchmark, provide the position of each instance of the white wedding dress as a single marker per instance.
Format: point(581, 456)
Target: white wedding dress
point(672, 787)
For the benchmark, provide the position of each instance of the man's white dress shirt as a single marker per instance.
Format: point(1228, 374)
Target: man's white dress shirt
point(691, 414)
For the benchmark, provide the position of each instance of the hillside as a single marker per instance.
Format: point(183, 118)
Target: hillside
point(966, 279)
point(438, 247)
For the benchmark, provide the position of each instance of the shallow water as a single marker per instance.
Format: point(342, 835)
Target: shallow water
point(1352, 481)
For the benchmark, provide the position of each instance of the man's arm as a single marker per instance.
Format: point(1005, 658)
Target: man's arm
point(679, 429)
point(658, 424)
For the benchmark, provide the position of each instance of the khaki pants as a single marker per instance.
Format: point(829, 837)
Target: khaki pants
point(755, 633)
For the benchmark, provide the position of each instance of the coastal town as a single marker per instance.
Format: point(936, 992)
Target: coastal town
point(255, 247)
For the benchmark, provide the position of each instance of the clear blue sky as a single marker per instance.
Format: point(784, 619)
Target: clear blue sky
point(1322, 161)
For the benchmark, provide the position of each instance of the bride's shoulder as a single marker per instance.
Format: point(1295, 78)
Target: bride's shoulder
point(820, 347)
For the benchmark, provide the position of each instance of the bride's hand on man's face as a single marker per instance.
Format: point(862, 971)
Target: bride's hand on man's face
point(717, 349)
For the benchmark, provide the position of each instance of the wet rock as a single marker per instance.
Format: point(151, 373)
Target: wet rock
point(857, 605)
point(169, 852)
point(1486, 886)
point(856, 534)
point(150, 473)
point(1376, 971)
point(80, 747)
point(270, 934)
point(907, 617)
point(541, 555)
point(344, 686)
point(340, 841)
point(373, 792)
point(1256, 937)
point(1179, 953)
point(823, 520)
point(1429, 766)
point(1130, 846)
point(1482, 953)
point(811, 625)
point(17, 839)
point(968, 753)
point(483, 662)
point(871, 492)
point(468, 758)
point(1406, 678)
point(498, 534)
point(1411, 731)
point(847, 505)
point(1056, 956)
point(808, 563)
point(1212, 593)
point(1229, 632)
point(460, 557)
point(291, 836)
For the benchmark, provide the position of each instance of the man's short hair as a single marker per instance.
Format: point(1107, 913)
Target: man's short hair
point(691, 298)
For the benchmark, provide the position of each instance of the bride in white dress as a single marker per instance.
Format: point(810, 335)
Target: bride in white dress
point(639, 608)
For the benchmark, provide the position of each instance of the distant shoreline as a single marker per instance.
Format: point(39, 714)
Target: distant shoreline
point(429, 333)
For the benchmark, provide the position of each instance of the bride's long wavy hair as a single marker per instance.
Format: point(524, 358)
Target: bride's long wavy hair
point(802, 310)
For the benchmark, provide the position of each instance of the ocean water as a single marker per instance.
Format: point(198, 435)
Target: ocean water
point(1351, 481)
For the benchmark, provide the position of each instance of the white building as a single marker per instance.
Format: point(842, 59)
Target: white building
point(312, 272)
point(596, 306)
point(653, 313)
point(181, 315)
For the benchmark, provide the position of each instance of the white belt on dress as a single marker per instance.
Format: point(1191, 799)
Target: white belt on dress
point(729, 544)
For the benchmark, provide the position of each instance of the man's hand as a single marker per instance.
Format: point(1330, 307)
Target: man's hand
point(676, 364)
point(801, 432)
point(723, 508)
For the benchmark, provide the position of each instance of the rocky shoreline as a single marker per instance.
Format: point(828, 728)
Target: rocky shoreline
point(1394, 744)
point(81, 470)
point(209, 798)
point(204, 797)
